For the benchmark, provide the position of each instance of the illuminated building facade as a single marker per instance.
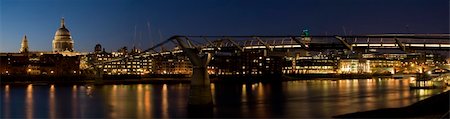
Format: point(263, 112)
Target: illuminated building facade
point(317, 64)
point(255, 63)
point(249, 63)
point(38, 63)
point(171, 63)
point(123, 62)
point(384, 63)
point(354, 66)
point(129, 63)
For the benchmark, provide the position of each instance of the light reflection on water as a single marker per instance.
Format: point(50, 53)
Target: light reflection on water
point(6, 100)
point(52, 110)
point(294, 99)
point(74, 101)
point(165, 104)
point(29, 102)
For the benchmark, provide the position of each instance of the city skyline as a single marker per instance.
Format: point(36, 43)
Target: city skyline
point(224, 59)
point(125, 23)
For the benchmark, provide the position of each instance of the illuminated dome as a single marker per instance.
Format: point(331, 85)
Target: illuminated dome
point(63, 41)
point(63, 31)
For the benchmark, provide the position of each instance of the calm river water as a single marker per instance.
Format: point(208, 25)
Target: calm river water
point(292, 99)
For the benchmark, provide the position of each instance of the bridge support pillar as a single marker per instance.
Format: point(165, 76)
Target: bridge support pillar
point(200, 92)
point(200, 102)
point(200, 95)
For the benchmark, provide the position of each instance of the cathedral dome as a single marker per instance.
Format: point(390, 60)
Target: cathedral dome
point(62, 31)
point(62, 41)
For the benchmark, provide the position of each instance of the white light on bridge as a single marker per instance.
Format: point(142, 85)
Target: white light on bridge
point(208, 49)
point(417, 45)
point(431, 45)
point(374, 44)
point(361, 44)
point(389, 45)
point(445, 45)
point(296, 46)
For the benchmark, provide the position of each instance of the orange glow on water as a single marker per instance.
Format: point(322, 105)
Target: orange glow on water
point(6, 102)
point(29, 102)
point(148, 104)
point(165, 104)
point(74, 100)
point(244, 93)
point(6, 88)
point(52, 105)
point(140, 105)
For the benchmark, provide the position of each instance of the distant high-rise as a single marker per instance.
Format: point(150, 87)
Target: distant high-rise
point(24, 45)
point(63, 41)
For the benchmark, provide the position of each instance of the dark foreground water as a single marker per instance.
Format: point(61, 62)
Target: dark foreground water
point(293, 99)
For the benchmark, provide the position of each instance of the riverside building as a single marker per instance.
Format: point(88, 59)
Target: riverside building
point(121, 62)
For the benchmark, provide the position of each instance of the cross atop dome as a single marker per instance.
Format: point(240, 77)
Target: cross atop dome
point(62, 23)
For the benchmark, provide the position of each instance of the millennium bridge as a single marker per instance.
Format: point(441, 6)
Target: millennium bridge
point(200, 50)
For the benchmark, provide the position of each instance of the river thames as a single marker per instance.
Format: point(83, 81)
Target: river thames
point(290, 99)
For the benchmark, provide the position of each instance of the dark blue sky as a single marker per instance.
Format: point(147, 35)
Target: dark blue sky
point(112, 22)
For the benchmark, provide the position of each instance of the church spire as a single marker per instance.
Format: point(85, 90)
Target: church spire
point(24, 48)
point(62, 23)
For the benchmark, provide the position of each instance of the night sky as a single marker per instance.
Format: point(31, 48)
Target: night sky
point(112, 23)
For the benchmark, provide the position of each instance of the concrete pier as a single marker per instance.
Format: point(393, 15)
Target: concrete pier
point(200, 95)
point(200, 91)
